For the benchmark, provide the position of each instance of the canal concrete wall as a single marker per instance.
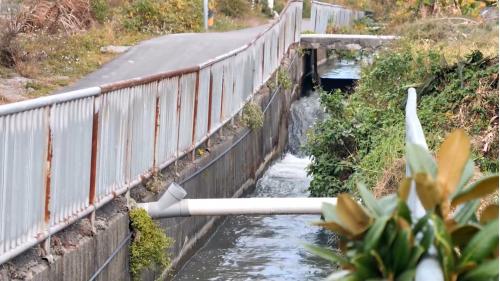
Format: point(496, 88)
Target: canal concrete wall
point(228, 165)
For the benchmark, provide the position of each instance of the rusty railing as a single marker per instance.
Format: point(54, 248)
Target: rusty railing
point(64, 156)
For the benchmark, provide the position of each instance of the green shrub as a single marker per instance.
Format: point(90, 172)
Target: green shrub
point(284, 80)
point(149, 246)
point(265, 8)
point(253, 117)
point(363, 134)
point(100, 9)
point(279, 5)
point(233, 8)
point(382, 240)
point(163, 16)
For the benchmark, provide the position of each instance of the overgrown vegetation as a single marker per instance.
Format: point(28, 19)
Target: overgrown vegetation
point(382, 240)
point(149, 245)
point(161, 17)
point(362, 137)
point(233, 8)
point(253, 117)
point(284, 80)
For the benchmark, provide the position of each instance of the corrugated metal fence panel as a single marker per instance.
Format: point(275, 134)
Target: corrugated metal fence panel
point(71, 127)
point(203, 105)
point(23, 159)
point(238, 72)
point(248, 78)
point(267, 55)
point(142, 122)
point(187, 96)
point(113, 142)
point(168, 128)
point(217, 71)
point(258, 59)
point(325, 14)
point(227, 96)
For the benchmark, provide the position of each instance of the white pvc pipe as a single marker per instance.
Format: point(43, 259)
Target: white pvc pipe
point(429, 267)
point(238, 206)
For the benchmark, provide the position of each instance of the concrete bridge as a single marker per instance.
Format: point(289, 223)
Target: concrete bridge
point(70, 163)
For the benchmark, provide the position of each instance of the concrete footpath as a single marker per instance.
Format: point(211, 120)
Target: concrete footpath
point(167, 53)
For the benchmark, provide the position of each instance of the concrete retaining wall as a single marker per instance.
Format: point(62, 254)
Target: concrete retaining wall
point(230, 168)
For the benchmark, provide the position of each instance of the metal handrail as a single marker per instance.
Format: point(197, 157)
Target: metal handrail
point(323, 14)
point(429, 267)
point(64, 156)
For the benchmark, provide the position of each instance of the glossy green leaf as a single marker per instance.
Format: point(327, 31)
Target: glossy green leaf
point(403, 211)
point(444, 245)
point(466, 212)
point(420, 160)
point(369, 200)
point(467, 174)
point(388, 204)
point(380, 262)
point(327, 254)
point(407, 275)
point(482, 244)
point(487, 270)
point(415, 256)
point(366, 266)
point(428, 237)
point(373, 235)
point(401, 250)
point(462, 234)
point(329, 212)
point(477, 190)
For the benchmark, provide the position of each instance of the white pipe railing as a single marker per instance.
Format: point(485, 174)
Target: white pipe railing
point(429, 268)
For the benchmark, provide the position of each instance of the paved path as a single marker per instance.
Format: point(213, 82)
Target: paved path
point(166, 53)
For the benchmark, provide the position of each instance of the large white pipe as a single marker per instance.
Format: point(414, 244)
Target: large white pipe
point(238, 206)
point(172, 204)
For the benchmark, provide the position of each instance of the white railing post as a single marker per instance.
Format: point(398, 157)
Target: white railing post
point(429, 268)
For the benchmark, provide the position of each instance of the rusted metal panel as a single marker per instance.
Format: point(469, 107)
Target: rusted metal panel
point(167, 132)
point(228, 89)
point(142, 130)
point(113, 142)
point(201, 130)
point(187, 96)
point(71, 129)
point(217, 83)
point(23, 155)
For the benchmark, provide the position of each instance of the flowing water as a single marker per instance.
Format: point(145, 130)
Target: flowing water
point(269, 247)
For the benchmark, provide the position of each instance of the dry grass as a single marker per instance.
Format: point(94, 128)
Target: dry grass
point(454, 37)
point(53, 16)
point(390, 179)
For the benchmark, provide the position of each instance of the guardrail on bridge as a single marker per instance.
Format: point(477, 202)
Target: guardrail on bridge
point(324, 14)
point(64, 156)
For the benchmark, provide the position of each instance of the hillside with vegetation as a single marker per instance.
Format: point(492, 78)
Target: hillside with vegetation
point(452, 61)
